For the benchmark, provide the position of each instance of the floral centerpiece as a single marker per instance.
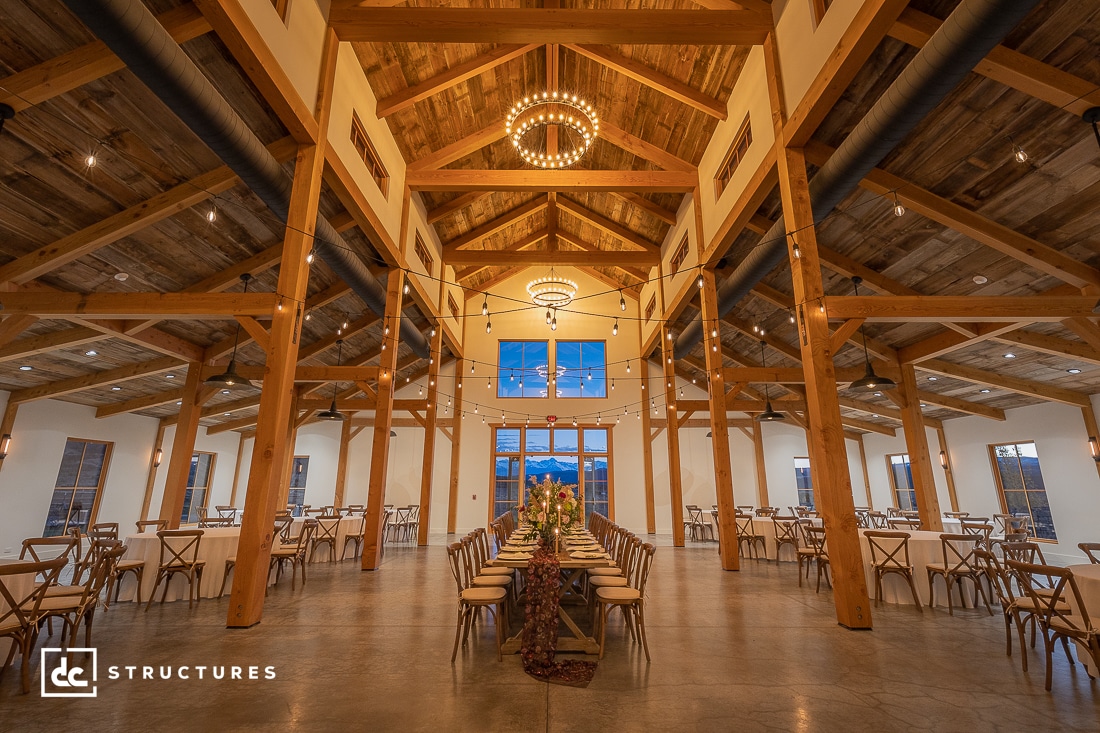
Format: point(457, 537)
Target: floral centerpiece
point(551, 509)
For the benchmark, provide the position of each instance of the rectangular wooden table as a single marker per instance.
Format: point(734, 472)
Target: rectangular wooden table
point(575, 567)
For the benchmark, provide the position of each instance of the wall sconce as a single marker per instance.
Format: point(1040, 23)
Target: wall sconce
point(943, 460)
point(1093, 446)
point(5, 444)
point(158, 454)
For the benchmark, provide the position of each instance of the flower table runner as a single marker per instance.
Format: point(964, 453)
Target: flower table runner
point(540, 627)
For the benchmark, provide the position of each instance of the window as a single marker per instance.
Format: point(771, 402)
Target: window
point(901, 478)
point(452, 306)
point(574, 455)
point(679, 256)
point(298, 473)
point(1020, 482)
point(281, 6)
point(650, 307)
point(803, 482)
point(369, 155)
point(78, 487)
point(199, 480)
point(820, 8)
point(522, 368)
point(422, 254)
point(581, 368)
point(734, 157)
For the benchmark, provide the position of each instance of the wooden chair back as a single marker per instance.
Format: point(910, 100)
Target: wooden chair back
point(224, 510)
point(22, 611)
point(216, 522)
point(144, 525)
point(892, 547)
point(38, 549)
point(903, 524)
point(104, 531)
point(786, 529)
point(958, 553)
point(1091, 550)
point(179, 548)
point(877, 520)
point(1055, 605)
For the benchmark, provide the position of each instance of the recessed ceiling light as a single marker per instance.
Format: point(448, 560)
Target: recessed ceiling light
point(878, 394)
point(169, 376)
point(228, 414)
point(1074, 371)
point(25, 368)
point(225, 391)
point(122, 276)
point(91, 352)
point(873, 415)
point(179, 403)
point(980, 279)
point(116, 389)
point(1010, 355)
point(923, 405)
point(933, 379)
point(984, 391)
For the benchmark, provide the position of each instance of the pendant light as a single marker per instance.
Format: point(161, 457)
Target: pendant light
point(229, 379)
point(332, 413)
point(769, 414)
point(869, 382)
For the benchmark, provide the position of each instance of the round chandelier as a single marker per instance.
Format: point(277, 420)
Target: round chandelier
point(552, 291)
point(573, 116)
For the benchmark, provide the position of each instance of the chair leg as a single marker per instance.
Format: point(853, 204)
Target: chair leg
point(500, 626)
point(1050, 662)
point(641, 630)
point(605, 610)
point(458, 632)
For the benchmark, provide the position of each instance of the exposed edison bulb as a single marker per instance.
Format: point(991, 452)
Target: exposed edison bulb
point(628, 366)
point(91, 160)
point(797, 252)
point(790, 317)
point(699, 281)
point(485, 307)
point(488, 326)
point(615, 328)
point(309, 315)
point(714, 333)
point(1019, 154)
point(622, 302)
point(554, 324)
point(548, 317)
point(405, 289)
point(212, 216)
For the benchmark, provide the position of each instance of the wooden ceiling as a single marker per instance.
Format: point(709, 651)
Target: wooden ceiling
point(445, 102)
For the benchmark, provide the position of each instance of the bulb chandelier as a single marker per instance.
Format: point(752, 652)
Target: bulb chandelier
point(569, 113)
point(552, 291)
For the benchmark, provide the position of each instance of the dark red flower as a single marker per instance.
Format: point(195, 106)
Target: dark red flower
point(562, 495)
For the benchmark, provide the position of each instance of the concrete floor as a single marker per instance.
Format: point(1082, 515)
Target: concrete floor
point(746, 651)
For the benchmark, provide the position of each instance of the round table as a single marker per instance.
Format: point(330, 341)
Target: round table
point(1088, 582)
point(348, 525)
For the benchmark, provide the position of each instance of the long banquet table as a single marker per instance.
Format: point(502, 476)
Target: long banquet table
point(924, 549)
point(19, 585)
point(1088, 582)
point(348, 525)
point(217, 545)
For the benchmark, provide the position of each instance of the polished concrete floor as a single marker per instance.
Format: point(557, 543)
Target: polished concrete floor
point(731, 651)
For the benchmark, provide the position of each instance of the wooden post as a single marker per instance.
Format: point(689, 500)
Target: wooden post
point(647, 451)
point(456, 447)
point(761, 468)
point(828, 457)
point(286, 461)
point(866, 476)
point(158, 445)
point(1091, 429)
point(183, 447)
point(948, 472)
point(672, 433)
point(269, 449)
point(8, 423)
point(719, 427)
point(430, 416)
point(237, 471)
point(383, 418)
point(920, 458)
point(342, 463)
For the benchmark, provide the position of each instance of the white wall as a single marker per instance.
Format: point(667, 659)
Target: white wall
point(223, 445)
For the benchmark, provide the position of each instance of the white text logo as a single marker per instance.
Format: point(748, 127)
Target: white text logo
point(69, 679)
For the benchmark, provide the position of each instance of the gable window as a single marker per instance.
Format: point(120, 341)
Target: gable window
point(1021, 487)
point(901, 479)
point(281, 6)
point(422, 254)
point(78, 486)
point(298, 474)
point(803, 482)
point(522, 369)
point(452, 306)
point(650, 307)
point(679, 256)
point(369, 155)
point(733, 158)
point(581, 368)
point(199, 480)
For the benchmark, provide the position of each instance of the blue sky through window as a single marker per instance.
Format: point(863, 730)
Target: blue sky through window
point(582, 368)
point(522, 369)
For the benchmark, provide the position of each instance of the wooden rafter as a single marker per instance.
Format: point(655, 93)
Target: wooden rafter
point(604, 224)
point(940, 308)
point(489, 228)
point(542, 181)
point(129, 305)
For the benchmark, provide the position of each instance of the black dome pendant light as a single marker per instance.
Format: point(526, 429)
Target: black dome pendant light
point(229, 379)
point(869, 382)
point(769, 414)
point(332, 413)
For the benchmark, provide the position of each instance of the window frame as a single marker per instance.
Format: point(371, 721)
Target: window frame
point(893, 483)
point(206, 489)
point(733, 157)
point(290, 484)
point(606, 378)
point(1001, 491)
point(679, 256)
point(375, 167)
point(522, 454)
point(651, 308)
point(281, 7)
point(523, 369)
point(452, 306)
point(94, 513)
point(809, 475)
point(420, 249)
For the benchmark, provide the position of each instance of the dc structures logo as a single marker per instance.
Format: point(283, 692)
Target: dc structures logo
point(62, 678)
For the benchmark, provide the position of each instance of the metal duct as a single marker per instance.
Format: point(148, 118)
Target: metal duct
point(135, 36)
point(964, 39)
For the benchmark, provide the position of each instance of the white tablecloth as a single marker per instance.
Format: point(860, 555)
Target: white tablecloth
point(20, 586)
point(1088, 582)
point(924, 549)
point(217, 544)
point(348, 525)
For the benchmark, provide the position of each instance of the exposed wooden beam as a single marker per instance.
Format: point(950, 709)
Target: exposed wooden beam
point(794, 375)
point(1013, 384)
point(547, 25)
point(492, 282)
point(1085, 329)
point(47, 342)
point(646, 150)
point(604, 224)
point(939, 308)
point(561, 257)
point(96, 379)
point(455, 75)
point(653, 79)
point(547, 180)
point(945, 342)
point(1051, 345)
point(127, 305)
point(456, 204)
point(140, 403)
point(657, 212)
point(960, 405)
point(303, 373)
point(842, 333)
point(489, 228)
point(460, 148)
point(487, 260)
point(12, 326)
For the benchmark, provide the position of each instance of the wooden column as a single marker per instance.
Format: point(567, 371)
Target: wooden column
point(269, 449)
point(1091, 429)
point(8, 422)
point(950, 474)
point(183, 447)
point(237, 471)
point(719, 427)
point(866, 476)
point(761, 468)
point(456, 447)
point(672, 432)
point(430, 414)
point(920, 458)
point(383, 419)
point(342, 464)
point(647, 450)
point(828, 457)
point(158, 445)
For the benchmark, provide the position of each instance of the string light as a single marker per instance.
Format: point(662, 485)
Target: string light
point(797, 251)
point(622, 301)
point(612, 385)
point(628, 366)
point(590, 374)
point(581, 118)
point(309, 315)
point(615, 328)
point(485, 306)
point(405, 289)
point(91, 160)
point(790, 316)
point(488, 326)
point(899, 210)
point(548, 317)
point(488, 384)
point(554, 324)
point(699, 281)
point(1017, 152)
point(212, 216)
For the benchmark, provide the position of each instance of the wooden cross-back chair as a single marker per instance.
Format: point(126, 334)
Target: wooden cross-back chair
point(39, 549)
point(890, 556)
point(20, 611)
point(959, 563)
point(471, 599)
point(786, 533)
point(747, 535)
point(179, 555)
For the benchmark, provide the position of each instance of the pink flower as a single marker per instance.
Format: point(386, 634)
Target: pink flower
point(541, 517)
